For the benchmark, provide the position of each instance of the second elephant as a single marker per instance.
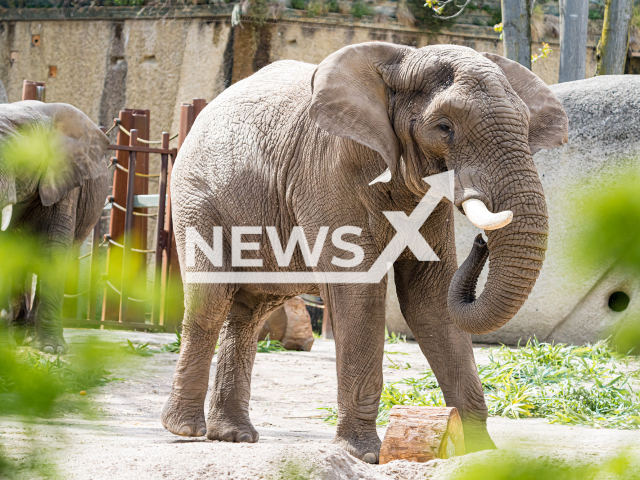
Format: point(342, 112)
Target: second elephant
point(53, 186)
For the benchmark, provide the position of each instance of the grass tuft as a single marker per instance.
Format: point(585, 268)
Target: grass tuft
point(569, 385)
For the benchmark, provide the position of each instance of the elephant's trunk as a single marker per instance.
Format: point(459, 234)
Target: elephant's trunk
point(515, 254)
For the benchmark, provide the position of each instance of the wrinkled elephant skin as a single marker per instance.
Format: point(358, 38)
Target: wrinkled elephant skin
point(299, 145)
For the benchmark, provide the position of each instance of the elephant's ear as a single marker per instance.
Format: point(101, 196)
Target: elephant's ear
point(82, 146)
point(548, 124)
point(350, 97)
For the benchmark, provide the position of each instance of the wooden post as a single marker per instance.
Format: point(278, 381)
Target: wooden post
point(574, 20)
point(516, 31)
point(161, 236)
point(33, 90)
point(138, 265)
point(128, 230)
point(420, 434)
point(614, 41)
point(94, 272)
point(111, 303)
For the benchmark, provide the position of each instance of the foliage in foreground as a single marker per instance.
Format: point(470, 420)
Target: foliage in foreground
point(35, 385)
point(513, 466)
point(564, 384)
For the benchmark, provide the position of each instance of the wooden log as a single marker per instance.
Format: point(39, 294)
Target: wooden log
point(420, 434)
point(291, 325)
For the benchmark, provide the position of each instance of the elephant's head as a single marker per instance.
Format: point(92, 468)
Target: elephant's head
point(450, 108)
point(46, 149)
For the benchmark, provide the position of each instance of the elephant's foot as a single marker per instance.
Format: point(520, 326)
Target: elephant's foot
point(228, 428)
point(184, 417)
point(365, 446)
point(477, 438)
point(49, 342)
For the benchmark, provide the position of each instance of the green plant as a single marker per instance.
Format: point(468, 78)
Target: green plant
point(596, 12)
point(298, 4)
point(295, 470)
point(174, 347)
point(333, 6)
point(512, 465)
point(564, 384)
point(139, 349)
point(315, 8)
point(359, 9)
point(270, 346)
point(393, 338)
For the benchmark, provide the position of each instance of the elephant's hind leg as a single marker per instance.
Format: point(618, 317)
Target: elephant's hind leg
point(206, 307)
point(229, 409)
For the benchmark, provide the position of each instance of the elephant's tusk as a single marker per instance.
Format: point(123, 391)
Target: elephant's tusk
point(6, 217)
point(384, 178)
point(481, 217)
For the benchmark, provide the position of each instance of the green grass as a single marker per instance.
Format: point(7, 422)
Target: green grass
point(174, 347)
point(270, 346)
point(34, 383)
point(567, 385)
point(141, 349)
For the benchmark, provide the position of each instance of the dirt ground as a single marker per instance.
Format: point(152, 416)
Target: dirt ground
point(127, 440)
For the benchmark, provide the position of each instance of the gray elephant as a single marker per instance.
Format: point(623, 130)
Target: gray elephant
point(298, 145)
point(53, 199)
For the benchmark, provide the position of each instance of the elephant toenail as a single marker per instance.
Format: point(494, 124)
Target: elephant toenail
point(185, 431)
point(370, 458)
point(245, 438)
point(201, 431)
point(60, 349)
point(227, 437)
point(48, 349)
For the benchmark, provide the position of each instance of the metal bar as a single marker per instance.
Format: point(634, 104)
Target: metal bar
point(142, 201)
point(128, 231)
point(160, 231)
point(94, 274)
point(139, 148)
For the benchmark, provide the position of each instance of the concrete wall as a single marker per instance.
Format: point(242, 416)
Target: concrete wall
point(112, 58)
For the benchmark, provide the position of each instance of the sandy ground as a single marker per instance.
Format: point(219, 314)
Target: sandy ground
point(127, 440)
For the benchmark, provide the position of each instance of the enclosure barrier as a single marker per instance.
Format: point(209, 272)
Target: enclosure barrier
point(128, 204)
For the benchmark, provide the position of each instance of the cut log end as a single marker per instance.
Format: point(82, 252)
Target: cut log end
point(420, 434)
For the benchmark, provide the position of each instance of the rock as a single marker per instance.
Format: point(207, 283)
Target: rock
point(3, 94)
point(421, 434)
point(291, 325)
point(604, 139)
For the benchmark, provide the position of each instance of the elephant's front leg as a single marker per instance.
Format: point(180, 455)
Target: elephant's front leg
point(357, 313)
point(422, 292)
point(57, 235)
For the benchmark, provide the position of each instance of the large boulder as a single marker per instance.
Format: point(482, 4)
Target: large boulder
point(604, 142)
point(291, 325)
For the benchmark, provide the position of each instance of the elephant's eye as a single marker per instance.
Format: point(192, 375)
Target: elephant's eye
point(445, 128)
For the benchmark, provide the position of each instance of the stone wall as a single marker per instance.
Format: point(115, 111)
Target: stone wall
point(110, 58)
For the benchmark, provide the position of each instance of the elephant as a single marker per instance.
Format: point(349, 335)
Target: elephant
point(349, 142)
point(53, 199)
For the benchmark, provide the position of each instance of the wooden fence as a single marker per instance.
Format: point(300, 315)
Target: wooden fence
point(126, 241)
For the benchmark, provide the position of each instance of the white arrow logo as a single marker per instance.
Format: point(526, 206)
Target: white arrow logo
point(407, 235)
